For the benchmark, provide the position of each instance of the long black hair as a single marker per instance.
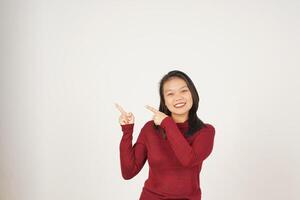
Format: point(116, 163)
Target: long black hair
point(194, 122)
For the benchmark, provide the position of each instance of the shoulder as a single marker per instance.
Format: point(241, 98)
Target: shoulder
point(206, 132)
point(146, 129)
point(148, 125)
point(209, 126)
point(207, 129)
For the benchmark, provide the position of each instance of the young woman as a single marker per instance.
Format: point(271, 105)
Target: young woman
point(175, 142)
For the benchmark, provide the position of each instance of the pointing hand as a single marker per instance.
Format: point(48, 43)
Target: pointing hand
point(125, 118)
point(158, 116)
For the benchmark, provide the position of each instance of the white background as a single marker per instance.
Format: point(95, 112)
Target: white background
point(64, 64)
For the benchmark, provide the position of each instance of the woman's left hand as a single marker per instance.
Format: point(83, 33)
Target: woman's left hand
point(158, 116)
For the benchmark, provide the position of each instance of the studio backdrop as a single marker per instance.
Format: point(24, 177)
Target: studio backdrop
point(65, 63)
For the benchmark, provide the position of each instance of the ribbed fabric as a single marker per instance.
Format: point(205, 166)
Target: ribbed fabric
point(174, 163)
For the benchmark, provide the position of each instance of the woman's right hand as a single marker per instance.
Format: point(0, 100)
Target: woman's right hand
point(125, 117)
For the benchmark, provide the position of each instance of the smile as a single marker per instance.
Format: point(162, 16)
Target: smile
point(179, 105)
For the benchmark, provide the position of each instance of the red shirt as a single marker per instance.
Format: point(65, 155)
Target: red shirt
point(174, 163)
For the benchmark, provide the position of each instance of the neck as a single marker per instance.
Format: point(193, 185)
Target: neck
point(180, 118)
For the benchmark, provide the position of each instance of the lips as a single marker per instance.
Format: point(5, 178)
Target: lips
point(179, 105)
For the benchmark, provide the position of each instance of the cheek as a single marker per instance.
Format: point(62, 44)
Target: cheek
point(190, 99)
point(168, 102)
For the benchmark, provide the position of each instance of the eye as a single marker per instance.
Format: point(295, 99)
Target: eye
point(169, 94)
point(184, 90)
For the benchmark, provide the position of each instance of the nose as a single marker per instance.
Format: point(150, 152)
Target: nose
point(178, 97)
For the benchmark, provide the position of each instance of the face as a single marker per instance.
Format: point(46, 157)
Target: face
point(178, 97)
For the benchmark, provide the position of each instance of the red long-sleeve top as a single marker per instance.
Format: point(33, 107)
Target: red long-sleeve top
point(174, 163)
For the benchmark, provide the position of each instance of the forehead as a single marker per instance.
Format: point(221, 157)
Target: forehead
point(174, 84)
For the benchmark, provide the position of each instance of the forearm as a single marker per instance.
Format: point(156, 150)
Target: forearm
point(132, 157)
point(188, 155)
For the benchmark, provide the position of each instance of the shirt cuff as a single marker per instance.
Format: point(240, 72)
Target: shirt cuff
point(127, 127)
point(166, 121)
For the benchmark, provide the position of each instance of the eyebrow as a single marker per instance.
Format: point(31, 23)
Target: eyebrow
point(179, 88)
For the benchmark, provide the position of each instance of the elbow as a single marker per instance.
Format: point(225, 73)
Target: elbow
point(127, 172)
point(126, 176)
point(186, 162)
point(191, 161)
point(185, 165)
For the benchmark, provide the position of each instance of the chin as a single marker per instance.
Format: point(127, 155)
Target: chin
point(180, 113)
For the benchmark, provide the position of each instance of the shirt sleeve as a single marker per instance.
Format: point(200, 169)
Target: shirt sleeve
point(132, 158)
point(189, 155)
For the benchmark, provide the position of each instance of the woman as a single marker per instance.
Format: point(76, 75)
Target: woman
point(175, 142)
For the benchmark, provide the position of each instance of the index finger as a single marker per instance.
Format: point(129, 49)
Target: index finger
point(151, 109)
point(120, 108)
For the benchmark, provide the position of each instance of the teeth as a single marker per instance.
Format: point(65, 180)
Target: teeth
point(179, 105)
